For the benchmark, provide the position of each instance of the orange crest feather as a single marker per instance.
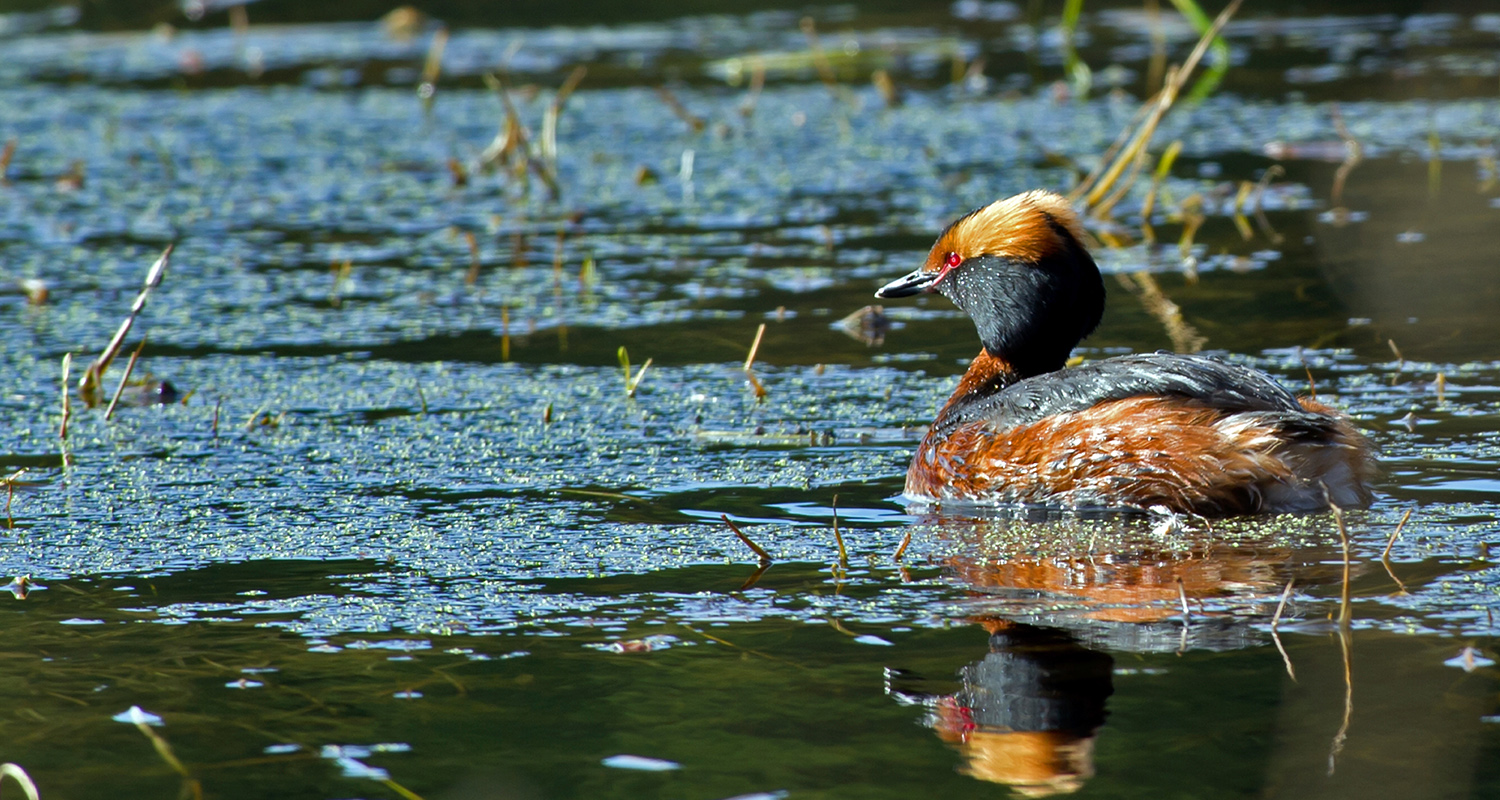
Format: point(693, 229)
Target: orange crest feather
point(1023, 227)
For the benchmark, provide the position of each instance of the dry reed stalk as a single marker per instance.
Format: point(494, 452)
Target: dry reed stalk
point(515, 140)
point(820, 58)
point(889, 93)
point(406, 793)
point(838, 536)
point(505, 333)
point(1192, 219)
point(341, 274)
point(1241, 195)
point(1346, 650)
point(693, 121)
point(1241, 222)
point(1211, 77)
point(1281, 606)
point(1286, 658)
point(1138, 141)
point(760, 389)
point(755, 346)
point(757, 83)
point(1354, 153)
point(1265, 180)
point(88, 385)
point(160, 745)
point(1093, 191)
point(554, 112)
point(472, 277)
point(1275, 637)
point(901, 549)
point(1260, 213)
point(129, 368)
point(10, 492)
point(974, 72)
point(1126, 184)
point(67, 405)
point(432, 68)
point(1385, 557)
point(255, 417)
point(1156, 67)
point(1338, 516)
point(588, 275)
point(755, 576)
point(1163, 168)
point(503, 146)
point(761, 553)
point(1110, 152)
point(1395, 534)
point(635, 383)
point(1391, 573)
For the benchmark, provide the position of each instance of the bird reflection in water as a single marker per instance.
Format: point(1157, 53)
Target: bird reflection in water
point(1027, 713)
point(1054, 598)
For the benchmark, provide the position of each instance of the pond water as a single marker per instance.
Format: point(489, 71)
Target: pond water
point(403, 532)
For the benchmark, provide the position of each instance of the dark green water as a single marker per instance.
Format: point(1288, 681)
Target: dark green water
point(408, 534)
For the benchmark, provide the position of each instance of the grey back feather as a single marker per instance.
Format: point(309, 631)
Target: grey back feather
point(1207, 380)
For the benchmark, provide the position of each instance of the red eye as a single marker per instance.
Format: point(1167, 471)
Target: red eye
point(953, 260)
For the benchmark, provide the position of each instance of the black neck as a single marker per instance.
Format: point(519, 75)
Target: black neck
point(1030, 316)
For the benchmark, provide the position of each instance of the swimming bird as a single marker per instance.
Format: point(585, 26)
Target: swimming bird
point(1190, 433)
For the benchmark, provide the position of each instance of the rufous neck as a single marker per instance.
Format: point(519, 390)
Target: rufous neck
point(986, 375)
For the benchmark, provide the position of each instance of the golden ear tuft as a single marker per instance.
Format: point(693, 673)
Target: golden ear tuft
point(1030, 226)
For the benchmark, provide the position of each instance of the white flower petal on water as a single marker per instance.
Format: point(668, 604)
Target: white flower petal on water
point(642, 763)
point(1468, 660)
point(135, 715)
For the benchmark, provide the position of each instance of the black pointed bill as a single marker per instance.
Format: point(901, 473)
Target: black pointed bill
point(917, 282)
